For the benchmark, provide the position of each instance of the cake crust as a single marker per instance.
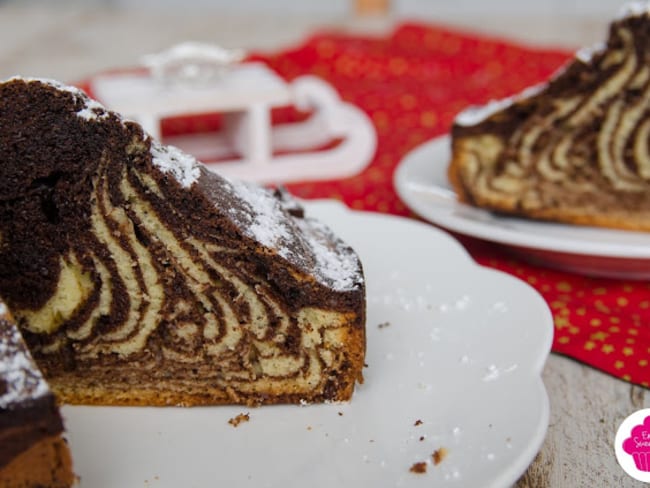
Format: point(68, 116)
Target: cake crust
point(46, 463)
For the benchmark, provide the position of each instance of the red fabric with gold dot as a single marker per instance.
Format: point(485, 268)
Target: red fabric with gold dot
point(412, 83)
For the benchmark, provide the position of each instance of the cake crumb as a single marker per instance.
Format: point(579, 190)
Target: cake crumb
point(421, 438)
point(419, 468)
point(439, 455)
point(383, 325)
point(242, 417)
point(340, 414)
point(418, 422)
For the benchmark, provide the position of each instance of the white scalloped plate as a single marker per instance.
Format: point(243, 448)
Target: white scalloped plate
point(421, 182)
point(455, 353)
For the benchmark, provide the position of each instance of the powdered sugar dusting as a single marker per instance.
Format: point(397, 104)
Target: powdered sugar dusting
point(475, 115)
point(91, 110)
point(170, 159)
point(302, 241)
point(338, 264)
point(20, 379)
point(634, 9)
point(586, 54)
point(265, 222)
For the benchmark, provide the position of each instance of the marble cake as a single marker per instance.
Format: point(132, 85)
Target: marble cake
point(575, 149)
point(32, 450)
point(137, 277)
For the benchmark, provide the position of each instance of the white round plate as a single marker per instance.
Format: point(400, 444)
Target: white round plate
point(421, 182)
point(455, 353)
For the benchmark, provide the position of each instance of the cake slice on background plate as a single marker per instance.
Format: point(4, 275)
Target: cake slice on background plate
point(32, 450)
point(575, 149)
point(138, 277)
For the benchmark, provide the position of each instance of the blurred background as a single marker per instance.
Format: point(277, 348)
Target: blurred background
point(71, 39)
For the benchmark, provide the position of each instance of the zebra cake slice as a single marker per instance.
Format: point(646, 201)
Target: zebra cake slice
point(575, 149)
point(32, 450)
point(138, 277)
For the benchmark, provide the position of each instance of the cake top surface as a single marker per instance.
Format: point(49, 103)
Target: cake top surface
point(20, 379)
point(266, 218)
point(170, 159)
point(91, 109)
point(476, 114)
point(633, 9)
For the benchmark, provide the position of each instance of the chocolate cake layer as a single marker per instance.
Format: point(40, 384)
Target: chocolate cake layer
point(575, 149)
point(139, 277)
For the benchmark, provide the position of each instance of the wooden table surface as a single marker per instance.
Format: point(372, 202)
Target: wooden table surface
point(71, 43)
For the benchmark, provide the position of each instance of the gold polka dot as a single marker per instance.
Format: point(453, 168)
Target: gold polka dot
point(600, 291)
point(619, 364)
point(590, 345)
point(608, 348)
point(556, 304)
point(408, 101)
point(397, 66)
point(381, 119)
point(643, 362)
point(628, 351)
point(325, 48)
point(599, 336)
point(633, 332)
point(614, 329)
point(561, 322)
point(600, 306)
point(581, 311)
point(428, 119)
point(595, 322)
point(563, 340)
point(574, 330)
point(622, 301)
point(615, 320)
point(563, 286)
